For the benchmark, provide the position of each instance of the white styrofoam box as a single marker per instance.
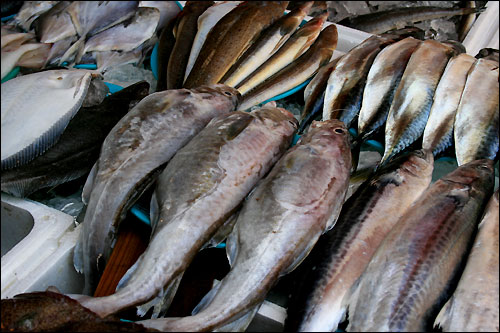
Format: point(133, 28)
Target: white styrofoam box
point(39, 243)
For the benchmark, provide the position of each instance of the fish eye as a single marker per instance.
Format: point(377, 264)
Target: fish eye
point(482, 166)
point(339, 130)
point(227, 93)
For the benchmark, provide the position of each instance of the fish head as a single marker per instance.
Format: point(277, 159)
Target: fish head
point(332, 136)
point(415, 165)
point(221, 89)
point(327, 40)
point(477, 176)
point(275, 114)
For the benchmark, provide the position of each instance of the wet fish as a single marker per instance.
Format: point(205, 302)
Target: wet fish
point(269, 41)
point(206, 22)
point(413, 99)
point(230, 38)
point(32, 125)
point(168, 10)
point(30, 55)
point(314, 94)
point(132, 156)
point(199, 189)
point(438, 132)
point(476, 120)
point(30, 12)
point(342, 254)
point(293, 48)
point(165, 46)
point(488, 53)
point(398, 18)
point(58, 48)
point(184, 30)
point(473, 307)
point(409, 276)
point(278, 225)
point(78, 147)
point(55, 24)
point(381, 84)
point(127, 36)
point(296, 72)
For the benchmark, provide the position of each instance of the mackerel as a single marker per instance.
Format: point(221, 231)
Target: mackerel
point(131, 158)
point(269, 41)
point(206, 22)
point(278, 225)
point(202, 185)
point(476, 120)
point(297, 72)
point(473, 307)
point(438, 132)
point(411, 273)
point(230, 38)
point(185, 30)
point(293, 48)
point(342, 254)
point(413, 99)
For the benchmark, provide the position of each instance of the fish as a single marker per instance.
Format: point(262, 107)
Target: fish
point(467, 21)
point(212, 173)
point(476, 121)
point(78, 147)
point(185, 31)
point(293, 48)
point(413, 98)
point(269, 41)
point(230, 38)
point(276, 228)
point(57, 50)
point(438, 132)
point(165, 46)
point(381, 84)
point(132, 156)
point(206, 22)
point(11, 40)
point(168, 10)
point(36, 108)
point(397, 18)
point(341, 255)
point(127, 36)
point(55, 24)
point(473, 307)
point(411, 273)
point(488, 53)
point(30, 55)
point(296, 72)
point(347, 80)
point(92, 17)
point(30, 11)
point(314, 94)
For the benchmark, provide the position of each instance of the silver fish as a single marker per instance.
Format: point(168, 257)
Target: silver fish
point(409, 276)
point(199, 189)
point(32, 125)
point(132, 156)
point(276, 228)
point(476, 120)
point(31, 55)
point(342, 254)
point(381, 84)
point(30, 11)
point(438, 132)
point(413, 99)
point(473, 307)
point(168, 10)
point(55, 24)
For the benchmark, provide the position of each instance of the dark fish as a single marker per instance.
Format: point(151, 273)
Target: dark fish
point(276, 228)
point(409, 277)
point(398, 18)
point(165, 47)
point(131, 158)
point(202, 185)
point(488, 53)
point(78, 147)
point(184, 30)
point(230, 38)
point(342, 254)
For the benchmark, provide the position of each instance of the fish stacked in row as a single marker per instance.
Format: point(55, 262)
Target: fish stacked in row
point(394, 257)
point(103, 33)
point(251, 46)
point(425, 94)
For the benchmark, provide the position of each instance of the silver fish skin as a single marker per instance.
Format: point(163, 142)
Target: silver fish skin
point(408, 278)
point(55, 24)
point(342, 254)
point(381, 84)
point(476, 120)
point(168, 10)
point(473, 307)
point(269, 41)
point(30, 11)
point(131, 157)
point(438, 132)
point(413, 99)
point(296, 72)
point(198, 190)
point(278, 225)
